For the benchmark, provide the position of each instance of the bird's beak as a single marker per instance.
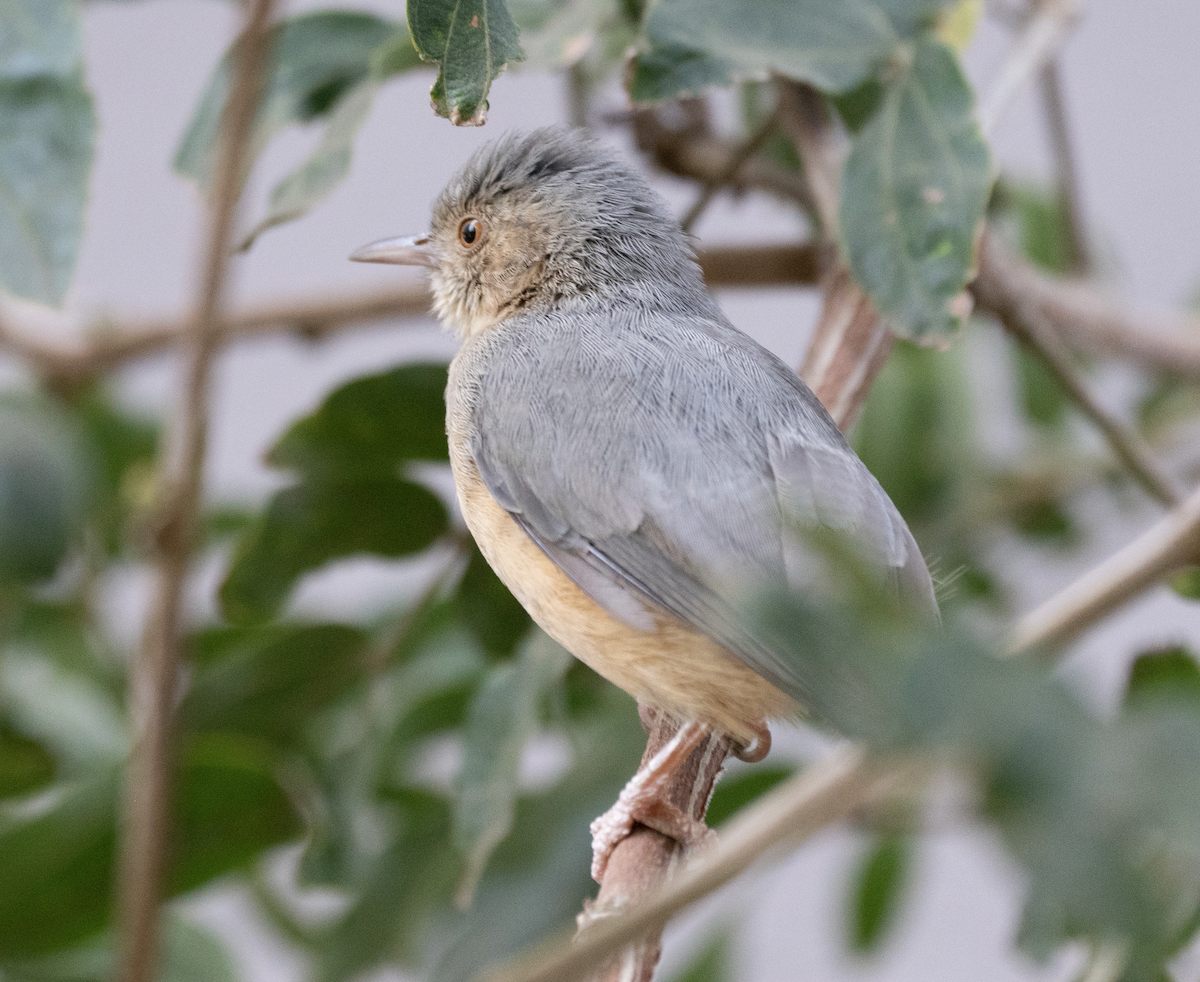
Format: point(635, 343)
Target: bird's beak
point(412, 250)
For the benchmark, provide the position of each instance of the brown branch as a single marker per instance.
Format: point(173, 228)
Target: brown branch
point(643, 861)
point(146, 825)
point(1029, 325)
point(1091, 321)
point(824, 793)
point(1164, 548)
point(1066, 170)
point(736, 162)
point(731, 266)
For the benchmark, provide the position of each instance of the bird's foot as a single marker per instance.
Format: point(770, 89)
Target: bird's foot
point(643, 800)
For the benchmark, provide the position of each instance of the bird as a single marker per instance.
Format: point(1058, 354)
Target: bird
point(631, 464)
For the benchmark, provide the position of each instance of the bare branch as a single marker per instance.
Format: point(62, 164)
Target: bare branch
point(155, 675)
point(822, 794)
point(743, 153)
point(1067, 172)
point(1091, 321)
point(1027, 323)
point(735, 266)
point(1042, 36)
point(1158, 552)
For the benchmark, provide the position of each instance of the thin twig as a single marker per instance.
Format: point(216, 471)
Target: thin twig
point(1066, 169)
point(714, 184)
point(1164, 548)
point(1041, 37)
point(1029, 325)
point(822, 794)
point(154, 677)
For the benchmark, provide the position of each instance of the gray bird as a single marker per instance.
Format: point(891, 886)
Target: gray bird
point(630, 463)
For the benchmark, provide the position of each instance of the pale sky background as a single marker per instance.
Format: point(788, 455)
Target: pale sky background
point(1132, 77)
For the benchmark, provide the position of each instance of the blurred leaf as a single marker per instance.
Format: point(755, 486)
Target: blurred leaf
point(668, 71)
point(1169, 673)
point(371, 425)
point(493, 614)
point(833, 47)
point(45, 156)
point(914, 191)
point(504, 715)
point(1170, 403)
point(735, 793)
point(326, 167)
point(25, 764)
point(410, 882)
point(1104, 816)
point(538, 876)
point(1187, 583)
point(229, 808)
point(311, 524)
point(1042, 398)
point(57, 866)
point(1038, 220)
point(124, 448)
point(40, 37)
point(956, 25)
point(270, 681)
point(189, 954)
point(878, 890)
point(329, 163)
point(915, 433)
point(714, 963)
point(472, 41)
point(1047, 521)
point(857, 106)
point(316, 60)
point(62, 704)
point(43, 485)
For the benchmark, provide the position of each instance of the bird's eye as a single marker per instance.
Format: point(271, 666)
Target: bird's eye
point(470, 231)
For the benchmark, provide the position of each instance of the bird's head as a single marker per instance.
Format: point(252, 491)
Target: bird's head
point(543, 219)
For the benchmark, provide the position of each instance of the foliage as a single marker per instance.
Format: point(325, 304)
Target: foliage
point(321, 736)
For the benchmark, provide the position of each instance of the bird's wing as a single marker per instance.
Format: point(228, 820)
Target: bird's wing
point(659, 462)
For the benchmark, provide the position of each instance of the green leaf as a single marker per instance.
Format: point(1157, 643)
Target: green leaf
point(669, 71)
point(316, 60)
point(189, 954)
point(1187, 583)
point(1039, 222)
point(229, 807)
point(503, 716)
point(408, 883)
point(472, 40)
point(734, 794)
point(914, 191)
point(1170, 673)
point(25, 764)
point(714, 963)
point(40, 37)
point(1042, 398)
point(833, 46)
point(492, 613)
point(57, 866)
point(46, 148)
point(326, 167)
point(371, 425)
point(43, 487)
point(312, 524)
point(915, 433)
point(878, 889)
point(270, 681)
